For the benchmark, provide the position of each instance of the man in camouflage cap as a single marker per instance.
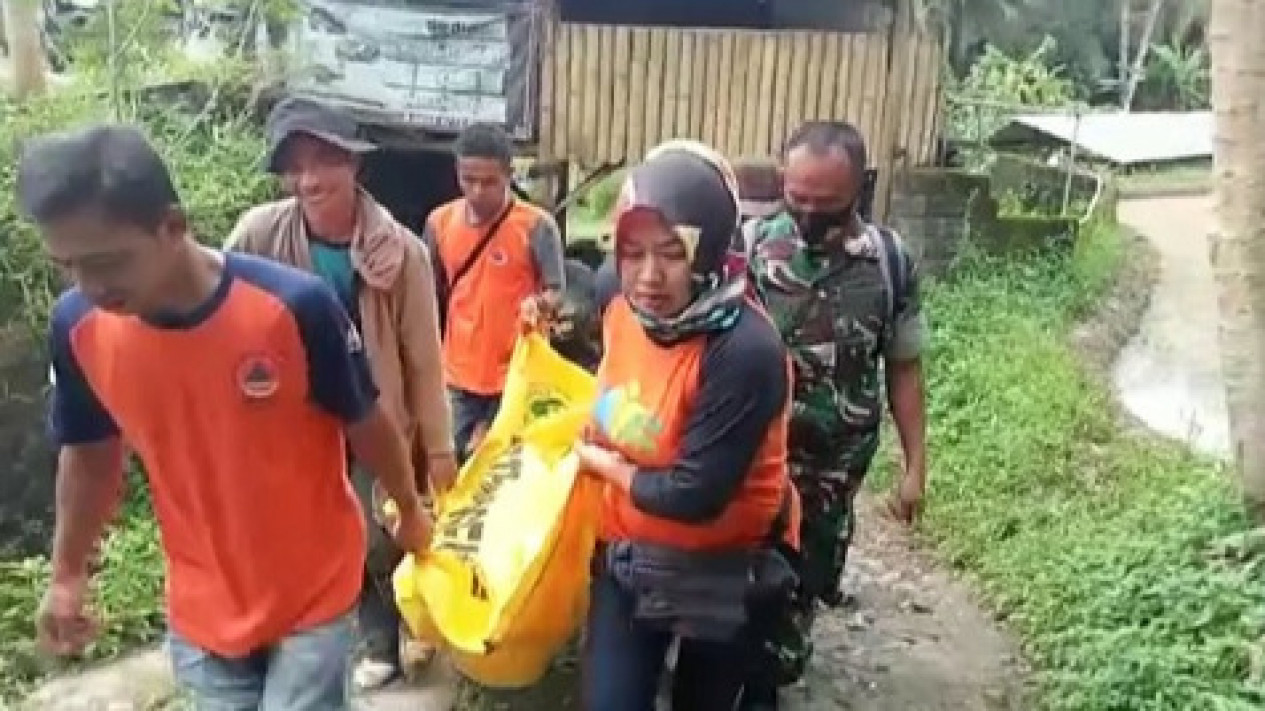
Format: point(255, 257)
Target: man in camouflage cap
point(844, 295)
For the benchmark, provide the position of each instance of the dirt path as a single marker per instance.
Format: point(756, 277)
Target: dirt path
point(913, 640)
point(1169, 376)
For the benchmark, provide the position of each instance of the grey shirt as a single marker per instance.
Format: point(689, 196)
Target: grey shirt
point(545, 241)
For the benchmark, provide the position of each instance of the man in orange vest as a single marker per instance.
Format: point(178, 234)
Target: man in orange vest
point(497, 259)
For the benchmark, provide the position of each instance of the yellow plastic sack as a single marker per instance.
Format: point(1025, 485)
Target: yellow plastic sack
point(505, 583)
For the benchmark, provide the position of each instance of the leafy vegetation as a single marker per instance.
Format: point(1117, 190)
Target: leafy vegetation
point(1008, 57)
point(128, 598)
point(1125, 563)
point(1085, 43)
point(996, 88)
point(1177, 78)
point(998, 84)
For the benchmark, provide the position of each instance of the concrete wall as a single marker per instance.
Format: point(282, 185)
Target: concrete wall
point(942, 212)
point(934, 210)
point(1039, 185)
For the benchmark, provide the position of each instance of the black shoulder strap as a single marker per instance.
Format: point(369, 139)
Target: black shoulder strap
point(782, 520)
point(894, 269)
point(479, 248)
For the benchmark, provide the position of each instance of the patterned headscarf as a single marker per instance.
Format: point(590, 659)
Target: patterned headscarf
point(693, 188)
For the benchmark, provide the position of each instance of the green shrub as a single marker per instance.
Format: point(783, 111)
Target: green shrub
point(127, 601)
point(215, 158)
point(1103, 549)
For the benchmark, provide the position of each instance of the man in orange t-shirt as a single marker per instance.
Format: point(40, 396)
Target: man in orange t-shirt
point(496, 258)
point(237, 381)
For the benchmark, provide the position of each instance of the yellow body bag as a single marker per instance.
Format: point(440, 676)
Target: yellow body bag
point(504, 584)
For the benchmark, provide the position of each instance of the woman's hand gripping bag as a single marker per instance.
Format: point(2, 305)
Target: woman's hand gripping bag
point(504, 584)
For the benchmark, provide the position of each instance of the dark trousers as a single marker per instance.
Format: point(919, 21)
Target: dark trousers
point(470, 411)
point(377, 617)
point(624, 660)
point(826, 527)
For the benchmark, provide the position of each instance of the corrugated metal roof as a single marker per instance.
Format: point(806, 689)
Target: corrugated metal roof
point(1122, 138)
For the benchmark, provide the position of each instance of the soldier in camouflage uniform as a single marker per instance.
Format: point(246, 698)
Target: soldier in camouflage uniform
point(844, 295)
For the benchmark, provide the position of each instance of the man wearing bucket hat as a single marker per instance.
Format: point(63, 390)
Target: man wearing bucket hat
point(382, 274)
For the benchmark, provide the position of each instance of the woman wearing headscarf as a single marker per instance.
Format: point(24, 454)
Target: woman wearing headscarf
point(689, 434)
point(758, 186)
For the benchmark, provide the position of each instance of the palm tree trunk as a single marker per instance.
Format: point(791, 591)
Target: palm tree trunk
point(1238, 239)
point(4, 36)
point(26, 48)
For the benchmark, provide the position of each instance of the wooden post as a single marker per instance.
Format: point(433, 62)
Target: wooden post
point(26, 48)
point(888, 145)
point(1122, 59)
point(1139, 58)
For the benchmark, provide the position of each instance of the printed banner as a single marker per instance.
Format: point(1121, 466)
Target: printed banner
point(430, 65)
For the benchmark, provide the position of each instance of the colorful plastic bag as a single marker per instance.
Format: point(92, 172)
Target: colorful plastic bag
point(505, 583)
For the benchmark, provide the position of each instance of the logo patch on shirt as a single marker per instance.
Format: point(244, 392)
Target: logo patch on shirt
point(258, 377)
point(624, 420)
point(499, 258)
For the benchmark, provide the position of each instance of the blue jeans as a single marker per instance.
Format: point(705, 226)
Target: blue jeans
point(469, 412)
point(623, 661)
point(307, 671)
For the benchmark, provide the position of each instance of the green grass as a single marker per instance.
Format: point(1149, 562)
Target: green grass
point(1112, 555)
point(127, 601)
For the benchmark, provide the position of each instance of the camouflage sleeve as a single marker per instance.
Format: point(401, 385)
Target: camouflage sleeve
point(750, 236)
point(909, 329)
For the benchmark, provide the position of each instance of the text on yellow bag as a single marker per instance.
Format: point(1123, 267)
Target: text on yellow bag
point(505, 582)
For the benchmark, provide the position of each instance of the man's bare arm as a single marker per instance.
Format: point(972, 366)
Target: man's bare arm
point(89, 488)
point(377, 446)
point(906, 398)
point(342, 384)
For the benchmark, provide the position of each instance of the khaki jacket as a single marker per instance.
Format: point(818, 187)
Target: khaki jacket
point(398, 316)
